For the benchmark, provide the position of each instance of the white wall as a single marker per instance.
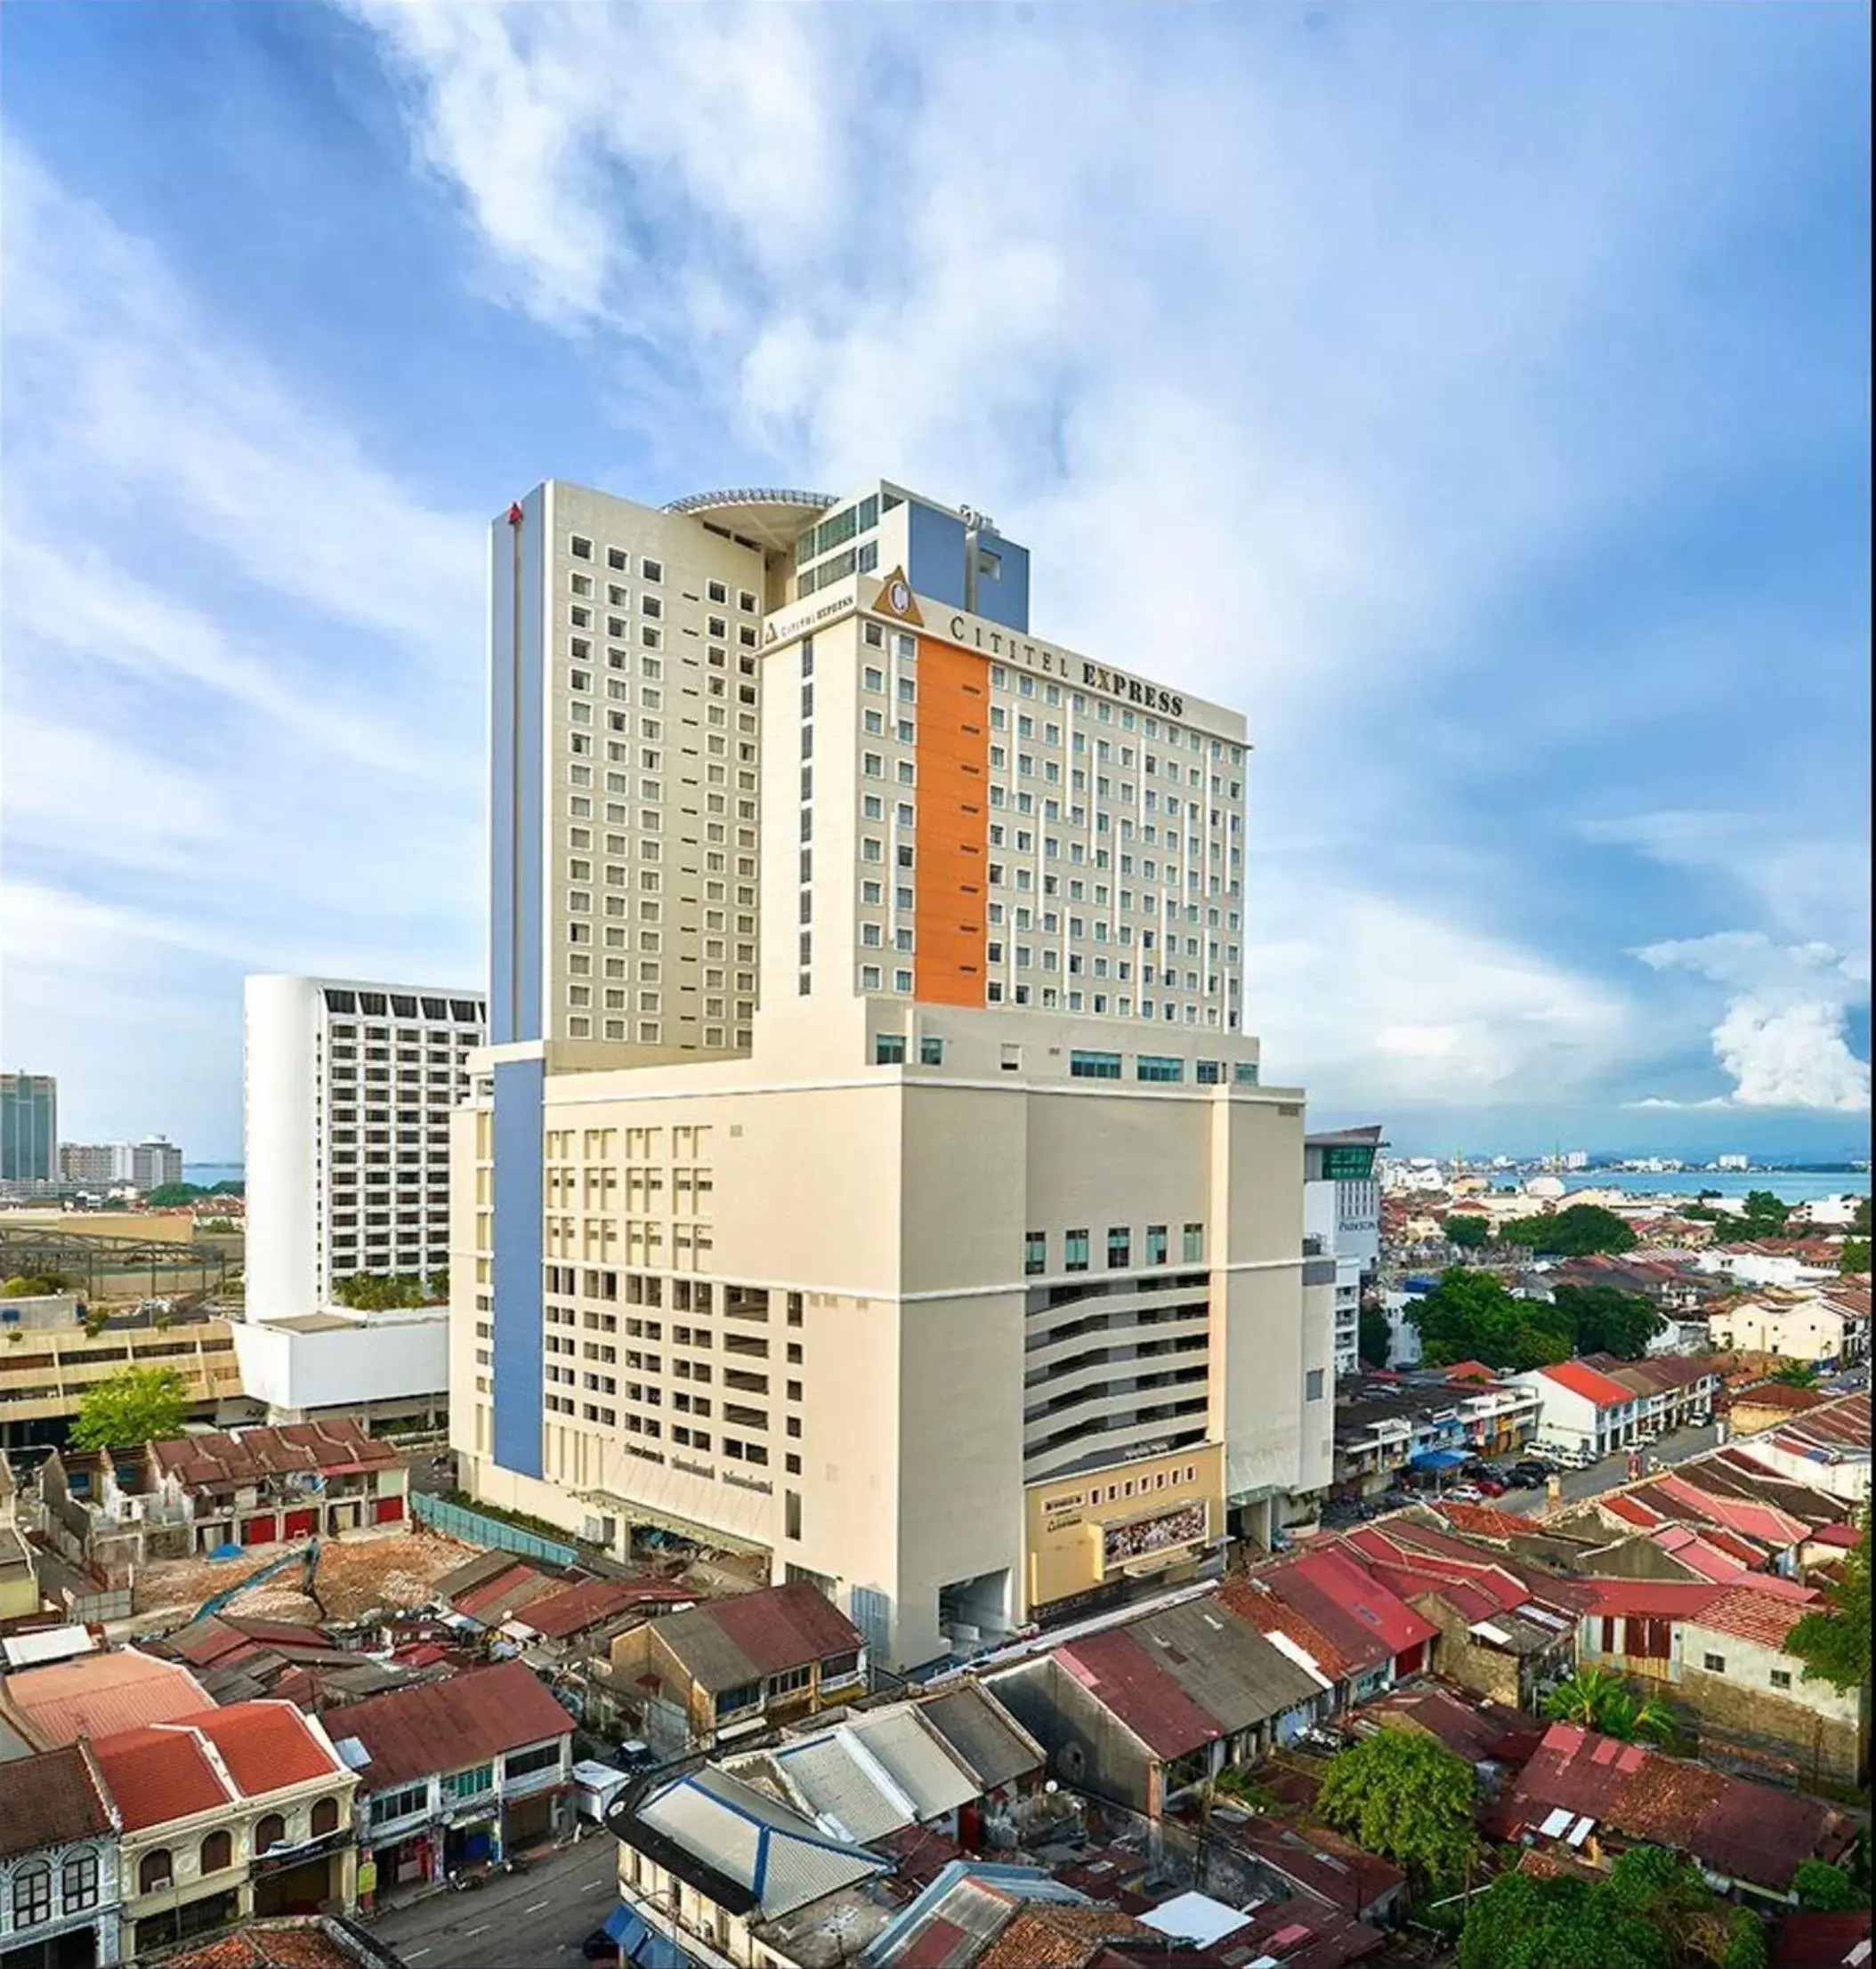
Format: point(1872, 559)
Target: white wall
point(385, 1356)
point(280, 1154)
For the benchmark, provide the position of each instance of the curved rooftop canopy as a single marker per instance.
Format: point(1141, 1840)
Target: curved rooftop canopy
point(771, 516)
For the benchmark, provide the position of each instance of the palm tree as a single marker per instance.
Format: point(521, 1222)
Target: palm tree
point(1594, 1698)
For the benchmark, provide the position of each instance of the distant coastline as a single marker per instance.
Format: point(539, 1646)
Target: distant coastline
point(1787, 1185)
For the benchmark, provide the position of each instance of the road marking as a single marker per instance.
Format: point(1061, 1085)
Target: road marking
point(537, 1907)
point(481, 1931)
point(593, 1884)
point(410, 1954)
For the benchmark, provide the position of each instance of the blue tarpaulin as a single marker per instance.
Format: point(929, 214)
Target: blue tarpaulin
point(639, 1944)
point(1439, 1459)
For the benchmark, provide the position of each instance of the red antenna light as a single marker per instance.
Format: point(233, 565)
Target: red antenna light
point(515, 516)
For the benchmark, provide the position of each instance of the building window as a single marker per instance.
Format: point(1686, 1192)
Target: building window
point(271, 1832)
point(1093, 1066)
point(581, 550)
point(1715, 1665)
point(1158, 1066)
point(745, 1695)
point(1074, 1251)
point(522, 1763)
point(1313, 1385)
point(399, 1804)
point(1035, 1253)
point(470, 1783)
point(217, 1852)
point(80, 1884)
point(1156, 1244)
point(1780, 1678)
point(155, 1870)
point(930, 1053)
point(889, 1049)
point(32, 1896)
point(1120, 1244)
point(325, 1817)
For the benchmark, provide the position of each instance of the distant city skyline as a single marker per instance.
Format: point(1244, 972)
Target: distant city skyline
point(1505, 457)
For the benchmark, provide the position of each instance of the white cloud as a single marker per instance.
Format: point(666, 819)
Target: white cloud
point(1177, 314)
point(243, 688)
point(124, 398)
point(1781, 1033)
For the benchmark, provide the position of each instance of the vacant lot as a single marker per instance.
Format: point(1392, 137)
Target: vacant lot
point(364, 1570)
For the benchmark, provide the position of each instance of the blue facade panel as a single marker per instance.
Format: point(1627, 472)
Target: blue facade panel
point(1003, 595)
point(517, 680)
point(934, 540)
point(515, 1268)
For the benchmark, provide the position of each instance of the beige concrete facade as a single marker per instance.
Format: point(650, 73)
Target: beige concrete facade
point(983, 1210)
point(649, 626)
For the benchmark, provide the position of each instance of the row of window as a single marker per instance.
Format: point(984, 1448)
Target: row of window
point(397, 1004)
point(1155, 1249)
point(1024, 684)
point(77, 1889)
point(1159, 1067)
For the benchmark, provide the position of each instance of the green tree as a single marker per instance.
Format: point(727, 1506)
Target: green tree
point(1834, 1641)
point(1469, 1229)
point(388, 1291)
point(1408, 1797)
point(1375, 1339)
point(1795, 1374)
point(1521, 1922)
point(227, 1190)
point(1853, 1254)
point(167, 1196)
point(35, 1285)
point(1471, 1316)
point(1763, 1215)
point(1829, 1889)
point(1604, 1321)
point(1860, 1218)
point(1575, 1233)
point(1593, 1698)
point(1746, 1946)
point(139, 1406)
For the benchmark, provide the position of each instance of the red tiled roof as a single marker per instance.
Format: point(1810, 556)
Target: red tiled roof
point(51, 1799)
point(1678, 1598)
point(1593, 1387)
point(99, 1695)
point(1752, 1615)
point(559, 1614)
point(447, 1725)
point(1845, 1535)
point(1482, 1521)
point(783, 1628)
point(266, 1745)
point(161, 1773)
point(264, 1945)
point(217, 1458)
point(1126, 1680)
point(1471, 1370)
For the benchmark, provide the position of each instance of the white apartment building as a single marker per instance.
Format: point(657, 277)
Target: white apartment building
point(967, 1279)
point(1342, 1220)
point(143, 1166)
point(349, 1086)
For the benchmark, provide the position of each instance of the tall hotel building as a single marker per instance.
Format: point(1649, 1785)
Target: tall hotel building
point(965, 1276)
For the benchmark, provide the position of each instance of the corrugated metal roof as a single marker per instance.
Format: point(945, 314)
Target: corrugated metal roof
point(914, 1757)
point(990, 1741)
point(738, 1831)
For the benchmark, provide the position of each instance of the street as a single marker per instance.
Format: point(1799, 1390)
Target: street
point(535, 1920)
point(1612, 1471)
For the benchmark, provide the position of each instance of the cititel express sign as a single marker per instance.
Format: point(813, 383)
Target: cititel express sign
point(1064, 664)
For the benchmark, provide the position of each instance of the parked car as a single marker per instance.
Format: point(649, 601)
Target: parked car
point(1465, 1493)
point(599, 1947)
point(1522, 1478)
point(1493, 1486)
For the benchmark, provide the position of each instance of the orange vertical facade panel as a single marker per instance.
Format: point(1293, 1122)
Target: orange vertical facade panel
point(952, 757)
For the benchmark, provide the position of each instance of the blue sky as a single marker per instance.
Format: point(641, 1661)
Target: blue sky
point(1478, 396)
